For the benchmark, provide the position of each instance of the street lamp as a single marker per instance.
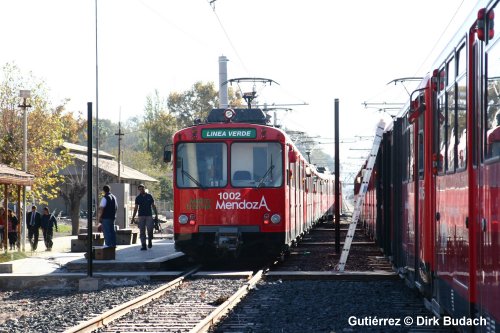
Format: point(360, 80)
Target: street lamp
point(24, 94)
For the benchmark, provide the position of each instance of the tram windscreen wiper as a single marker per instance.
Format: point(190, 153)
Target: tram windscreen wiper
point(187, 174)
point(268, 172)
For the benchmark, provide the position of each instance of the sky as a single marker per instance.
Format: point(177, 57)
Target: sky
point(317, 50)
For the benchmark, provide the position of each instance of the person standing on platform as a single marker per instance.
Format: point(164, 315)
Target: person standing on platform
point(33, 223)
point(13, 222)
point(145, 203)
point(107, 216)
point(48, 223)
point(2, 227)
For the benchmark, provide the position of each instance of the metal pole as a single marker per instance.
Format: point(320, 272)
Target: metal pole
point(89, 189)
point(337, 180)
point(96, 119)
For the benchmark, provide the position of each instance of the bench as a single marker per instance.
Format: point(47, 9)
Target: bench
point(126, 236)
point(103, 253)
point(80, 244)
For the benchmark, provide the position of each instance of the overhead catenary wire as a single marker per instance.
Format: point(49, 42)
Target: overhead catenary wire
point(212, 6)
point(169, 22)
point(431, 52)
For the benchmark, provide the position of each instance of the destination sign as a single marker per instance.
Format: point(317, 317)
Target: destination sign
point(229, 133)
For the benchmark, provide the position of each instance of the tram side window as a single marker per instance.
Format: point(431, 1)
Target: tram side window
point(405, 150)
point(421, 146)
point(492, 108)
point(411, 152)
point(256, 164)
point(462, 122)
point(451, 136)
point(461, 107)
point(443, 160)
point(201, 165)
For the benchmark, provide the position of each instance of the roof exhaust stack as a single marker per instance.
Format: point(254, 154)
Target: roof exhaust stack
point(223, 99)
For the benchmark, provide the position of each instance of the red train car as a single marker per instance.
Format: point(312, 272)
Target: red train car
point(439, 203)
point(242, 186)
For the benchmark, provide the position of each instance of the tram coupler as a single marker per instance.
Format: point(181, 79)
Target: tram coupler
point(228, 238)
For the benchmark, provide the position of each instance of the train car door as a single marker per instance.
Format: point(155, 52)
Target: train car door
point(487, 223)
point(408, 196)
point(300, 189)
point(452, 184)
point(291, 197)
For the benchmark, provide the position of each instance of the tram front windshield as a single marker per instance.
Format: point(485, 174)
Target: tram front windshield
point(205, 165)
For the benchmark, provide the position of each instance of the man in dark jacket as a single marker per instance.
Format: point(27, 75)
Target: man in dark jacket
point(48, 223)
point(107, 216)
point(33, 223)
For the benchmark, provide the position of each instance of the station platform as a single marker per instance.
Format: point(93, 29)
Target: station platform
point(61, 265)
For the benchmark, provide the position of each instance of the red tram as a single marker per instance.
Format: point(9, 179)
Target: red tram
point(434, 201)
point(242, 186)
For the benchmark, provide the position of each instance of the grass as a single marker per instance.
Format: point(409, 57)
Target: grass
point(13, 255)
point(64, 228)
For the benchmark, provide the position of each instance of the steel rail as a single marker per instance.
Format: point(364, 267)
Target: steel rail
point(119, 311)
point(230, 303)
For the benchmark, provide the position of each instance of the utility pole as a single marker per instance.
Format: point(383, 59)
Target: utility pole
point(24, 94)
point(120, 134)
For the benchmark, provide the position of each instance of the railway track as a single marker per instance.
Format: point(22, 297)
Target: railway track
point(187, 304)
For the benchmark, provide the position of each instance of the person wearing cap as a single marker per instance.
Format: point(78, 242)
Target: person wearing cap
point(145, 204)
point(107, 216)
point(33, 223)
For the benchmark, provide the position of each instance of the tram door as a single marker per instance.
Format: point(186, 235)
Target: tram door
point(291, 200)
point(488, 184)
point(452, 186)
point(408, 221)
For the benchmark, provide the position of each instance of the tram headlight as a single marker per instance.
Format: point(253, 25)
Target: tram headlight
point(183, 219)
point(276, 218)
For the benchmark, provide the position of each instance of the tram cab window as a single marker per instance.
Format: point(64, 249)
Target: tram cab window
point(256, 164)
point(201, 165)
point(492, 107)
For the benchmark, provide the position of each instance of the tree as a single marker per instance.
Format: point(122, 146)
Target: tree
point(193, 104)
point(159, 124)
point(74, 190)
point(45, 132)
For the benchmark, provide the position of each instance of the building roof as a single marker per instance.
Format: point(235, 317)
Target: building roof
point(13, 176)
point(79, 149)
point(111, 167)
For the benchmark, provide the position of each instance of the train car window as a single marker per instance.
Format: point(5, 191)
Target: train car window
point(201, 165)
point(442, 116)
point(404, 149)
point(411, 153)
point(461, 109)
point(451, 130)
point(441, 119)
point(492, 106)
point(256, 164)
point(451, 71)
point(421, 146)
point(461, 60)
